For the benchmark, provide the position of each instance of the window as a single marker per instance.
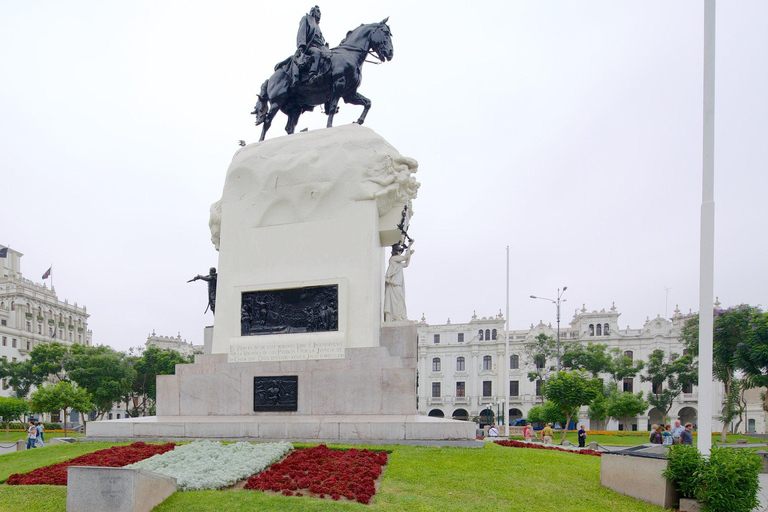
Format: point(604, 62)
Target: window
point(657, 388)
point(5, 383)
point(493, 334)
point(514, 362)
point(5, 341)
point(591, 329)
point(688, 388)
point(514, 388)
point(461, 390)
point(436, 338)
point(436, 364)
point(28, 345)
point(599, 330)
point(487, 388)
point(110, 415)
point(686, 351)
point(479, 333)
point(628, 385)
point(29, 326)
point(13, 342)
point(487, 335)
point(436, 390)
point(605, 330)
point(3, 322)
point(539, 385)
point(629, 354)
point(50, 332)
point(487, 363)
point(39, 328)
point(539, 360)
point(460, 364)
point(461, 337)
point(13, 360)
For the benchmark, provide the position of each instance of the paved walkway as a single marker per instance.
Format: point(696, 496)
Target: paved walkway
point(762, 495)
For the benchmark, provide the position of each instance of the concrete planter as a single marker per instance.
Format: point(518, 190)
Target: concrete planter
point(638, 477)
point(689, 505)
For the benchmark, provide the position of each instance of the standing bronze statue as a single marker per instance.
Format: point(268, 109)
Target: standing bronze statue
point(211, 280)
point(316, 75)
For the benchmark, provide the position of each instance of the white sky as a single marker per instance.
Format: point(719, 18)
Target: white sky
point(570, 131)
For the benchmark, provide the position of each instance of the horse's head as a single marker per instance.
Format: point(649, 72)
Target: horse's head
point(381, 41)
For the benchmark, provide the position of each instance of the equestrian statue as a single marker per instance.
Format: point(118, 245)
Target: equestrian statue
point(318, 75)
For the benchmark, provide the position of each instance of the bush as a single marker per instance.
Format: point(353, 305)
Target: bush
point(729, 480)
point(685, 462)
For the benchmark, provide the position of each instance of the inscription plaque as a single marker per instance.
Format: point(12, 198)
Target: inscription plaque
point(290, 310)
point(276, 393)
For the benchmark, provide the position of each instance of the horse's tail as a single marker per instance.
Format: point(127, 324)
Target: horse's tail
point(262, 105)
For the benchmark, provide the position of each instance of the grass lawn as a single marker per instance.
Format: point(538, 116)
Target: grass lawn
point(416, 479)
point(15, 436)
point(634, 440)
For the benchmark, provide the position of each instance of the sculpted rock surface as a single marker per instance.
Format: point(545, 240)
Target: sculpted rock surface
point(313, 176)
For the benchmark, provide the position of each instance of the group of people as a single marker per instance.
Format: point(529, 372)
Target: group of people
point(667, 434)
point(35, 433)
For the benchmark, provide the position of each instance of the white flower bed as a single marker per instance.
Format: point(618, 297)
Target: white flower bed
point(213, 465)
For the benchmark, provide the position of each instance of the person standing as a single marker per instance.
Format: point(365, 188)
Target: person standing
point(667, 435)
point(31, 435)
point(582, 436)
point(41, 433)
point(687, 436)
point(547, 434)
point(677, 431)
point(493, 431)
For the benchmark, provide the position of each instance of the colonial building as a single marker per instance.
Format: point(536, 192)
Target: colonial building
point(173, 343)
point(31, 314)
point(462, 373)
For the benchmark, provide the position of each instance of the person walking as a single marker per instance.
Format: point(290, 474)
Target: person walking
point(547, 434)
point(687, 436)
point(582, 436)
point(493, 431)
point(40, 434)
point(31, 435)
point(527, 432)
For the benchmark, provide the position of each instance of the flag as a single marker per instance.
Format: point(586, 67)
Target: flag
point(54, 332)
point(47, 273)
point(4, 252)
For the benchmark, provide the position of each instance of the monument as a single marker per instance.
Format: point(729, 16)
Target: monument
point(311, 339)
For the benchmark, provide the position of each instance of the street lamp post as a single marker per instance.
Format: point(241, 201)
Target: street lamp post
point(556, 303)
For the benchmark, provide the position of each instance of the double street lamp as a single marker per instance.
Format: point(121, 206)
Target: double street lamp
point(556, 303)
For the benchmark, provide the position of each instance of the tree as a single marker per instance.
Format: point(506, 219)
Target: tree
point(12, 409)
point(48, 359)
point(547, 412)
point(598, 409)
point(732, 327)
point(542, 349)
point(568, 391)
point(623, 367)
point(153, 362)
point(752, 354)
point(668, 375)
point(61, 397)
point(21, 376)
point(105, 374)
point(623, 406)
point(593, 358)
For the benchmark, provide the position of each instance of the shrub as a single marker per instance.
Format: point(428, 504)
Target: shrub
point(729, 480)
point(685, 462)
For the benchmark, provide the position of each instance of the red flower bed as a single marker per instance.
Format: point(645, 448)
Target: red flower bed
point(324, 472)
point(520, 444)
point(115, 457)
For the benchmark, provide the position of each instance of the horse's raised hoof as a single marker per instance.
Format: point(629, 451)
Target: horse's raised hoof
point(359, 121)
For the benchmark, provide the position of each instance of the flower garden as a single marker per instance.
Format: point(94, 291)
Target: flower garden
point(537, 446)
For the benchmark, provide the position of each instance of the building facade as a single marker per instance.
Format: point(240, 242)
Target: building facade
point(32, 314)
point(173, 343)
point(462, 367)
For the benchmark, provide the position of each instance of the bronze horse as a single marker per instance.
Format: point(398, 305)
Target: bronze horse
point(340, 80)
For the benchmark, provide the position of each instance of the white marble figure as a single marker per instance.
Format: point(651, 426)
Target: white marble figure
point(394, 284)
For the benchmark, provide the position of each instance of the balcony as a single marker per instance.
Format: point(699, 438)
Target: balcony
point(690, 397)
point(461, 400)
point(435, 400)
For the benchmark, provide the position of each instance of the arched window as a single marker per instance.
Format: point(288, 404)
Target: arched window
point(436, 364)
point(599, 330)
point(480, 334)
point(487, 363)
point(605, 330)
point(514, 362)
point(460, 364)
point(487, 334)
point(13, 306)
point(591, 329)
point(629, 354)
point(493, 334)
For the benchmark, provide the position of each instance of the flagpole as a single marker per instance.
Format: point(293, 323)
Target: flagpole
point(506, 363)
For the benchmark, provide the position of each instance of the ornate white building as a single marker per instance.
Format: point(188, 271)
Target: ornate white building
point(170, 343)
point(462, 374)
point(31, 314)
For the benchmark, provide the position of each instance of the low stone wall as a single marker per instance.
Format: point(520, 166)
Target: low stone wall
point(638, 477)
point(97, 489)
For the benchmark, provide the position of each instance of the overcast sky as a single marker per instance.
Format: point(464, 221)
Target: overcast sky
point(570, 131)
